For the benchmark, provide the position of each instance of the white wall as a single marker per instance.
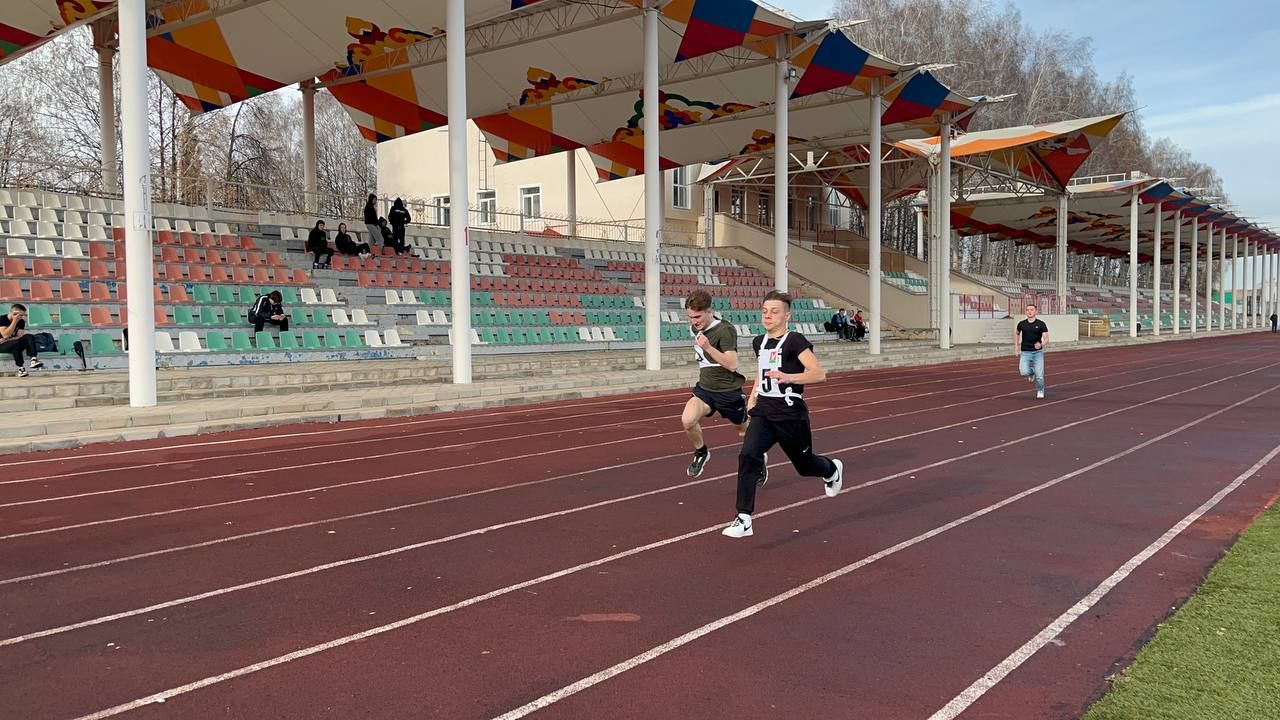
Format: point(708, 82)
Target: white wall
point(417, 166)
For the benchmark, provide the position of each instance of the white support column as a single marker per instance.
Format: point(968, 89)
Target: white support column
point(652, 198)
point(1208, 277)
point(1133, 264)
point(459, 215)
point(1222, 282)
point(781, 169)
point(107, 119)
point(919, 234)
point(1155, 271)
point(1267, 297)
point(1177, 272)
point(571, 184)
point(1235, 282)
point(137, 202)
point(874, 206)
point(931, 232)
point(1246, 284)
point(1060, 256)
point(1195, 265)
point(309, 146)
point(944, 237)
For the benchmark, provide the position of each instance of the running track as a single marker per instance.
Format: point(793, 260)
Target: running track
point(991, 556)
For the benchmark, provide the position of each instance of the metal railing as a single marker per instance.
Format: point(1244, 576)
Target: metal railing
point(979, 307)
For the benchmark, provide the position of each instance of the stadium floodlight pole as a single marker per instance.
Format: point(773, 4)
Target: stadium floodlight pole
point(141, 320)
point(781, 166)
point(1155, 270)
point(944, 237)
point(459, 216)
point(1133, 263)
point(1177, 272)
point(1060, 255)
point(874, 300)
point(652, 196)
point(308, 89)
point(107, 117)
point(571, 184)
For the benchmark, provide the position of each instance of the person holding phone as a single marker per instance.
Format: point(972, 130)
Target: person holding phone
point(15, 340)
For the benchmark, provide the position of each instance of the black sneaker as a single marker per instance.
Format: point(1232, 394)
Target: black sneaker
point(700, 458)
point(764, 474)
point(35, 363)
point(22, 372)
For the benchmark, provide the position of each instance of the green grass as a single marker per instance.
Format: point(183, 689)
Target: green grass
point(1217, 658)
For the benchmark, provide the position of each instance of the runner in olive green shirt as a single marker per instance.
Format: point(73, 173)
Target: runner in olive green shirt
point(719, 388)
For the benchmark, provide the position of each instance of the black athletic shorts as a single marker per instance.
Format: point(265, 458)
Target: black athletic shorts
point(731, 405)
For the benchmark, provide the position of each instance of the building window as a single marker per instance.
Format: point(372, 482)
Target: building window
point(835, 208)
point(487, 202)
point(531, 201)
point(764, 209)
point(680, 189)
point(440, 209)
point(738, 203)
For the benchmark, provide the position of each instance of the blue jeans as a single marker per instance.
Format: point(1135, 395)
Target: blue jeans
point(1032, 362)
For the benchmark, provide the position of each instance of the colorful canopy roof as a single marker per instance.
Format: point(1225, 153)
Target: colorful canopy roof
point(1047, 154)
point(1098, 216)
point(26, 24)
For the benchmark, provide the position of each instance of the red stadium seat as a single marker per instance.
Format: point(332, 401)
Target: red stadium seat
point(41, 290)
point(100, 316)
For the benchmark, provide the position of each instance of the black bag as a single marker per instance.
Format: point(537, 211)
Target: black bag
point(44, 342)
point(828, 326)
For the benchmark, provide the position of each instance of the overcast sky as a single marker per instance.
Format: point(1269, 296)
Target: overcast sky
point(1205, 76)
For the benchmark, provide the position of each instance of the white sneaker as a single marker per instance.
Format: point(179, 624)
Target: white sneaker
point(739, 528)
point(833, 484)
point(1040, 395)
point(764, 475)
point(1030, 378)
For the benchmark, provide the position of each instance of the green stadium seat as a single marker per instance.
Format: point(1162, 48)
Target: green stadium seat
point(290, 296)
point(299, 317)
point(101, 343)
point(248, 295)
point(288, 341)
point(354, 340)
point(240, 341)
point(234, 316)
point(182, 315)
point(487, 335)
point(67, 317)
point(264, 341)
point(67, 344)
point(227, 295)
point(216, 342)
point(332, 339)
point(202, 294)
point(311, 340)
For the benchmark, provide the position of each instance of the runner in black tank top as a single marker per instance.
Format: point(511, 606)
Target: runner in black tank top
point(785, 363)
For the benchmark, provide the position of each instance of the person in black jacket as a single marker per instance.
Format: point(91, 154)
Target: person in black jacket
point(15, 340)
point(346, 245)
point(388, 237)
point(269, 308)
point(371, 217)
point(318, 245)
point(398, 217)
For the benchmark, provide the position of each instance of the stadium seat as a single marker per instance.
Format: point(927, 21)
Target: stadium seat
point(67, 317)
point(240, 341)
point(216, 341)
point(101, 343)
point(101, 316)
point(311, 340)
point(70, 291)
point(371, 338)
point(11, 290)
point(332, 339)
point(353, 339)
point(189, 341)
point(393, 338)
point(164, 342)
point(340, 317)
point(264, 341)
point(41, 290)
point(309, 296)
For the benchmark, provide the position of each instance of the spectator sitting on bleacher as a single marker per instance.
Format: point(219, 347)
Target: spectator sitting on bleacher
point(840, 325)
point(858, 327)
point(318, 245)
point(399, 217)
point(388, 237)
point(15, 340)
point(269, 309)
point(346, 245)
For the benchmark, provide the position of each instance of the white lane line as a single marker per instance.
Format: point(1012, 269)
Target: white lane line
point(678, 642)
point(558, 513)
point(166, 695)
point(982, 685)
point(278, 452)
point(418, 473)
point(486, 491)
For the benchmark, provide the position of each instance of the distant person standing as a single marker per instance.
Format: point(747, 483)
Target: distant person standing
point(1029, 338)
point(371, 217)
point(399, 218)
point(1273, 322)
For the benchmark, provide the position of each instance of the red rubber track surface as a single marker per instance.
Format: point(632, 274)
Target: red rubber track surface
point(460, 566)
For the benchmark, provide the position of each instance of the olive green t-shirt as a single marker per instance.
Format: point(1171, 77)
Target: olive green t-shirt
point(723, 337)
